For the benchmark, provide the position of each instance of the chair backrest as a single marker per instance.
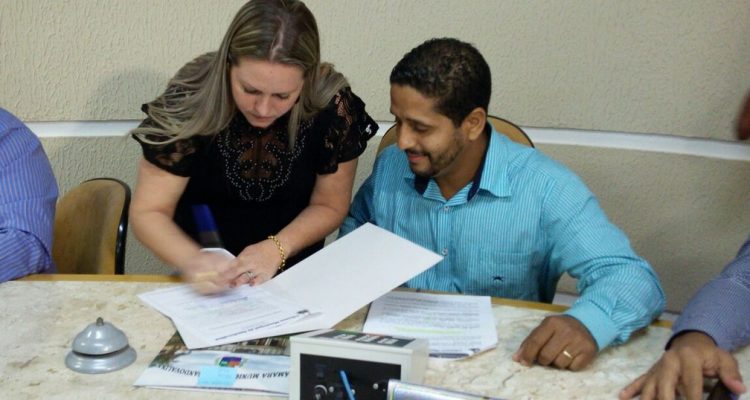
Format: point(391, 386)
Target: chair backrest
point(91, 224)
point(507, 128)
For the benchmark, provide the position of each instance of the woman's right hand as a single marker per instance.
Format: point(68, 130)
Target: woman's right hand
point(151, 214)
point(210, 272)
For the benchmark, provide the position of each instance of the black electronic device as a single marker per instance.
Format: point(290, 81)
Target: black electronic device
point(340, 365)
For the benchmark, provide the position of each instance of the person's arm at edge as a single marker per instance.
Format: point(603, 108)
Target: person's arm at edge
point(21, 254)
point(714, 322)
point(719, 308)
point(690, 330)
point(26, 243)
point(682, 367)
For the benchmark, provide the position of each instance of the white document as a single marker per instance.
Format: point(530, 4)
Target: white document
point(221, 318)
point(333, 283)
point(456, 326)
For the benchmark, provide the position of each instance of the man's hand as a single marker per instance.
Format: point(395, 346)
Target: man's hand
point(560, 341)
point(691, 356)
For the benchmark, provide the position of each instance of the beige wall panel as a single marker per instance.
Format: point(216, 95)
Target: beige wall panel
point(672, 67)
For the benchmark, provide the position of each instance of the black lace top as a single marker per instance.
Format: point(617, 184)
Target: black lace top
point(250, 178)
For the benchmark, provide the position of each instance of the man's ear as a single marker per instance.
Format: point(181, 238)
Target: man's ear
point(474, 123)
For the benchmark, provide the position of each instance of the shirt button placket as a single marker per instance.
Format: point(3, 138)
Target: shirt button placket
point(445, 229)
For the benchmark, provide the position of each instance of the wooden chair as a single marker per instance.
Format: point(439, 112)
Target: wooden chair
point(507, 128)
point(91, 223)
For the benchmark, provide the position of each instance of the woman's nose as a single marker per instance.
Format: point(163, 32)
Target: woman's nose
point(262, 106)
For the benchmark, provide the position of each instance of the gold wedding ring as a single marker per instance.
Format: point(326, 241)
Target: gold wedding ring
point(566, 354)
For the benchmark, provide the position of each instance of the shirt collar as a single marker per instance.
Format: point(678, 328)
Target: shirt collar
point(495, 179)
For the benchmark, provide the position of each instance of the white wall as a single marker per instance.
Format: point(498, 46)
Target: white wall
point(677, 67)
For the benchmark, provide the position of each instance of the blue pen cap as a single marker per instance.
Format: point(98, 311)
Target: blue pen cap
point(204, 220)
point(208, 234)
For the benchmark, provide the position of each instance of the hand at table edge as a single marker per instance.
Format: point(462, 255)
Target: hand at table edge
point(560, 341)
point(691, 357)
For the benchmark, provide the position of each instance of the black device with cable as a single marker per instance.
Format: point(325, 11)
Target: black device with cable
point(345, 365)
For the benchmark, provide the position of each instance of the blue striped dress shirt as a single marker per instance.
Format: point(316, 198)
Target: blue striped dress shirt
point(28, 193)
point(721, 308)
point(527, 221)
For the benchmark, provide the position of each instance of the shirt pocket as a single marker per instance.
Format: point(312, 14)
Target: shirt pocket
point(493, 273)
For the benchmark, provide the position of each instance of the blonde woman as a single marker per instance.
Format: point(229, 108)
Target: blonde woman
point(264, 134)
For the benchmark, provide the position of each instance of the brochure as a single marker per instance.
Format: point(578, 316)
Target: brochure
point(259, 366)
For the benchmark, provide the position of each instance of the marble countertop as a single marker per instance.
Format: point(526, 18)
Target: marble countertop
point(40, 320)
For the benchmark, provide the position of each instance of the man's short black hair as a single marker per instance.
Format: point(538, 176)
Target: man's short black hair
point(450, 71)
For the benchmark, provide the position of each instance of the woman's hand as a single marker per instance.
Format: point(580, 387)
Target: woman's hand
point(210, 272)
point(257, 263)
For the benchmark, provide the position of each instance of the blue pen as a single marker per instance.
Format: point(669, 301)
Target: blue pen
point(208, 234)
point(347, 387)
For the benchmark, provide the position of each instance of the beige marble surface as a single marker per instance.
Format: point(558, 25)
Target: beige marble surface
point(40, 319)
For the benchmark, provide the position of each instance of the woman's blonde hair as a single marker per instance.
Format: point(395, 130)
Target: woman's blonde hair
point(198, 100)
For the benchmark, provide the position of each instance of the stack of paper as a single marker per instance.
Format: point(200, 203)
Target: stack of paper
point(316, 293)
point(457, 326)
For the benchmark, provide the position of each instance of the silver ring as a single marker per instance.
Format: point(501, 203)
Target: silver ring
point(248, 275)
point(566, 354)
